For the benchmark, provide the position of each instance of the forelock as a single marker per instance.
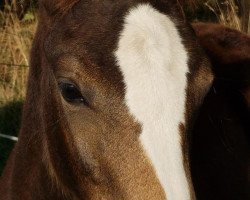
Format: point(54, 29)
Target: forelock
point(58, 7)
point(64, 6)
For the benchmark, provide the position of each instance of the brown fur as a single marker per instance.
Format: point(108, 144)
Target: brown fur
point(221, 141)
point(58, 7)
point(89, 152)
point(229, 51)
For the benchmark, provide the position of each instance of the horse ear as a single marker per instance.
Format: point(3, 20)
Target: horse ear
point(228, 50)
point(58, 6)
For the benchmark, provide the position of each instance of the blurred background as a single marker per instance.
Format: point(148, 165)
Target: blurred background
point(18, 19)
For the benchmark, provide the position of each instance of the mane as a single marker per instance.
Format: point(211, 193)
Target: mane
point(63, 6)
point(185, 4)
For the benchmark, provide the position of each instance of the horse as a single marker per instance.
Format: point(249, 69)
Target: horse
point(220, 155)
point(114, 91)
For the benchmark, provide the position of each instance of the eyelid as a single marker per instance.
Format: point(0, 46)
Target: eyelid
point(67, 80)
point(86, 92)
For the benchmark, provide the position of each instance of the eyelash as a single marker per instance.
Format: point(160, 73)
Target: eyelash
point(72, 94)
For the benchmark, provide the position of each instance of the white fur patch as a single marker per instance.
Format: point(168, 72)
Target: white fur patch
point(153, 61)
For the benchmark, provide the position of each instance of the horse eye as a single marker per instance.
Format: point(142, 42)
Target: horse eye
point(71, 93)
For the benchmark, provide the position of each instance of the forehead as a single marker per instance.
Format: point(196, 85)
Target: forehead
point(89, 25)
point(90, 32)
point(95, 25)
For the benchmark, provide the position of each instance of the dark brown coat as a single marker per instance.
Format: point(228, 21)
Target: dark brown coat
point(221, 143)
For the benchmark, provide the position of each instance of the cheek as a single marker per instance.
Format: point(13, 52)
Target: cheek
point(86, 136)
point(85, 129)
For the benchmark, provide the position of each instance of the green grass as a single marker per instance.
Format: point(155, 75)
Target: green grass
point(10, 117)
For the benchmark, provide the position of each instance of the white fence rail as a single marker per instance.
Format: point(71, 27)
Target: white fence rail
point(13, 138)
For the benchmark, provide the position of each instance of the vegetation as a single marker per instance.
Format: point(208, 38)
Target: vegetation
point(231, 13)
point(15, 42)
point(16, 33)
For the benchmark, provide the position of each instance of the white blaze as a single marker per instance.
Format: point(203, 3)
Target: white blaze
point(153, 61)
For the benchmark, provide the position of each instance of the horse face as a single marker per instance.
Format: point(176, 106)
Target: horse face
point(119, 82)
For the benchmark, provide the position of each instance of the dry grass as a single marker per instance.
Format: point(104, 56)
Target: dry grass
point(15, 43)
point(226, 12)
point(231, 13)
